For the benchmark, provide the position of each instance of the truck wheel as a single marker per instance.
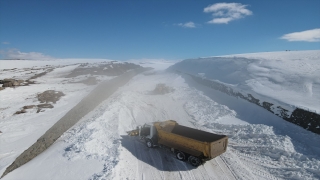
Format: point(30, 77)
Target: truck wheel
point(194, 161)
point(181, 156)
point(149, 143)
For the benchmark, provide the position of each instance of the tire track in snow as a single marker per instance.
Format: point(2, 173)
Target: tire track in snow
point(145, 157)
point(219, 171)
point(228, 167)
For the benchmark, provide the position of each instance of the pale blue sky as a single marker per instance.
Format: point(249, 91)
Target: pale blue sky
point(157, 29)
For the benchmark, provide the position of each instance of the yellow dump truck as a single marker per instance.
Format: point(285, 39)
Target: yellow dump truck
point(187, 143)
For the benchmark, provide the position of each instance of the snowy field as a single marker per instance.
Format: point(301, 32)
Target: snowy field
point(261, 145)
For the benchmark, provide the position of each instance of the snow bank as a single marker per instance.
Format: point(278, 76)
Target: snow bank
point(292, 78)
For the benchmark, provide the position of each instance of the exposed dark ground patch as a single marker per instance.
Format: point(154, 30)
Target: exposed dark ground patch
point(46, 97)
point(42, 74)
point(162, 89)
point(50, 96)
point(39, 108)
point(12, 83)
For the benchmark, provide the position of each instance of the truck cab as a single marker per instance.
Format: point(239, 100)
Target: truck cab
point(149, 133)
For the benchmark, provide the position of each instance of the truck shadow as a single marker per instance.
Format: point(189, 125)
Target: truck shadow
point(160, 158)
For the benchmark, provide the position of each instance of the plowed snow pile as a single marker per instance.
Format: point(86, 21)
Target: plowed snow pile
point(261, 144)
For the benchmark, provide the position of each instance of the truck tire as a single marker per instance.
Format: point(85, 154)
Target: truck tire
point(194, 161)
point(149, 143)
point(180, 156)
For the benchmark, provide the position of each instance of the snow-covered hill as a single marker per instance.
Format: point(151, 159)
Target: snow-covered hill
point(261, 144)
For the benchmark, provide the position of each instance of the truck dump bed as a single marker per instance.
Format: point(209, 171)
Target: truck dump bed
point(189, 140)
point(196, 134)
